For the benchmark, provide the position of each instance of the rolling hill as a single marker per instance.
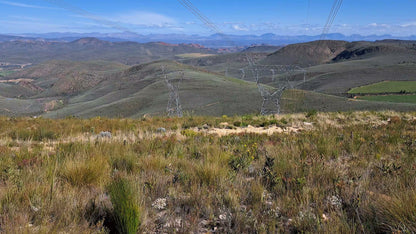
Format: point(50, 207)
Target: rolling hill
point(212, 85)
point(363, 64)
point(88, 89)
point(84, 49)
point(62, 78)
point(306, 54)
point(333, 67)
point(94, 88)
point(141, 90)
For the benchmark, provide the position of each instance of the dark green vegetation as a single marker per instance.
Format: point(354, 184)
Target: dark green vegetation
point(391, 98)
point(5, 73)
point(126, 213)
point(386, 87)
point(346, 173)
point(308, 101)
point(387, 91)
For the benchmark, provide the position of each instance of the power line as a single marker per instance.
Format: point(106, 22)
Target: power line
point(330, 20)
point(204, 19)
point(196, 12)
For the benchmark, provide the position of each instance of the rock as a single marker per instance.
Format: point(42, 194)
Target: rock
point(224, 124)
point(161, 130)
point(105, 134)
point(394, 119)
point(222, 217)
point(335, 201)
point(251, 170)
point(34, 208)
point(159, 204)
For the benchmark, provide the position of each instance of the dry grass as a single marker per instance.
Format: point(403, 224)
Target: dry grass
point(341, 172)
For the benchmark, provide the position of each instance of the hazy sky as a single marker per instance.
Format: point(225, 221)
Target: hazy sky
point(283, 17)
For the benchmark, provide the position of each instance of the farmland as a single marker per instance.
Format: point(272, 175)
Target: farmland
point(391, 98)
point(386, 87)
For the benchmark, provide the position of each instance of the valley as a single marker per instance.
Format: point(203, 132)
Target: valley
point(326, 76)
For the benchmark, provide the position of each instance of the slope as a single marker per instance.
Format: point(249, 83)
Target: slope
point(141, 90)
point(306, 54)
point(62, 78)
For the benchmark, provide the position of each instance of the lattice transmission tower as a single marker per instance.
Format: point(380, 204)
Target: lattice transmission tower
point(280, 76)
point(174, 107)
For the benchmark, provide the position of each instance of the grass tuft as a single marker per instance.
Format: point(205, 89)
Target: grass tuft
point(126, 212)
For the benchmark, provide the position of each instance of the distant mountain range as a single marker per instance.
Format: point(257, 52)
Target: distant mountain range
point(213, 41)
point(35, 51)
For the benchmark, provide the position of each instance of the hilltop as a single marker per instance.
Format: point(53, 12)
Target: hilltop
point(306, 54)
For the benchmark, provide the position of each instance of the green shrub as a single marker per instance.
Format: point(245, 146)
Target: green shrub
point(311, 113)
point(237, 123)
point(126, 213)
point(36, 135)
point(189, 133)
point(124, 163)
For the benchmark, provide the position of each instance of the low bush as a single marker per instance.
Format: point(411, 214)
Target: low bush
point(126, 213)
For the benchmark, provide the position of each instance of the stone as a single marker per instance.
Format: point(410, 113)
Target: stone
point(105, 134)
point(161, 130)
point(159, 204)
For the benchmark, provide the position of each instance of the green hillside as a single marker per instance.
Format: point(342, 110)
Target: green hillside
point(141, 90)
point(387, 87)
point(302, 101)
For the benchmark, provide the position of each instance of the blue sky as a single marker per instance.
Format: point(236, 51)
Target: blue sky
point(282, 17)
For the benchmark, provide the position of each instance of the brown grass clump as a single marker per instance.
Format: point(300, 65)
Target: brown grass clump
point(94, 171)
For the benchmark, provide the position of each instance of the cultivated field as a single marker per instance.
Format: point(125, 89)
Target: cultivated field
point(386, 87)
point(312, 172)
point(391, 98)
